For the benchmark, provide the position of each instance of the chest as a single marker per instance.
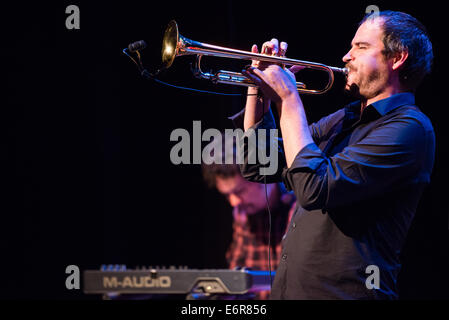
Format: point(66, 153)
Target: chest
point(346, 133)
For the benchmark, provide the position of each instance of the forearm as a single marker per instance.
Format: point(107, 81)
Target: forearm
point(295, 130)
point(255, 108)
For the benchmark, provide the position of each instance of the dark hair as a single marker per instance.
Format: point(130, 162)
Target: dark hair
point(402, 32)
point(223, 169)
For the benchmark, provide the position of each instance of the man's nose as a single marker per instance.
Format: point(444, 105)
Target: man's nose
point(347, 57)
point(234, 201)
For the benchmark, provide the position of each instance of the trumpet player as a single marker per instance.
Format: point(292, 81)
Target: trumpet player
point(357, 173)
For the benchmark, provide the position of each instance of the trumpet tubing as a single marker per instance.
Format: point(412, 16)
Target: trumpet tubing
point(175, 45)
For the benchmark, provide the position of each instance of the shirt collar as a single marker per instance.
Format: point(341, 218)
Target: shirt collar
point(395, 101)
point(386, 105)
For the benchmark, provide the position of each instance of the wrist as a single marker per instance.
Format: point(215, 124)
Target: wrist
point(291, 101)
point(253, 90)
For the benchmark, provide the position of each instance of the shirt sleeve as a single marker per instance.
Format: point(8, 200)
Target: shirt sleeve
point(252, 145)
point(322, 128)
point(377, 164)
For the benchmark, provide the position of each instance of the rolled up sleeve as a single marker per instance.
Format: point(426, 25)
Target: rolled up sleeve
point(374, 165)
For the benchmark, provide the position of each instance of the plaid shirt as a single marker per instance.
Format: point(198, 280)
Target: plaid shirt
point(249, 247)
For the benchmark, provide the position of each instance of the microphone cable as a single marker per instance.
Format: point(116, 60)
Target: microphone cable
point(147, 75)
point(269, 230)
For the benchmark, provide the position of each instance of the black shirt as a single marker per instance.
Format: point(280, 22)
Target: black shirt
point(357, 188)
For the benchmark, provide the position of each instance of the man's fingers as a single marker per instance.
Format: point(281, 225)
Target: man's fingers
point(283, 49)
point(296, 68)
point(262, 81)
point(259, 75)
point(249, 72)
point(275, 46)
point(254, 48)
point(267, 47)
point(255, 74)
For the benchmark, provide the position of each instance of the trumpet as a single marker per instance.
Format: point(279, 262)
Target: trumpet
point(175, 45)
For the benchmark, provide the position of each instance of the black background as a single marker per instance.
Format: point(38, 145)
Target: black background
point(86, 141)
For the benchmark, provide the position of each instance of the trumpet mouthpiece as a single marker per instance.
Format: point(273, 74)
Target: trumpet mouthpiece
point(340, 70)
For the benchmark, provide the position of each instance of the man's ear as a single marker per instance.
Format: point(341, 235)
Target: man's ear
point(399, 59)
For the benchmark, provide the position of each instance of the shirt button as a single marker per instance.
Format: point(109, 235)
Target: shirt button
point(284, 257)
point(294, 224)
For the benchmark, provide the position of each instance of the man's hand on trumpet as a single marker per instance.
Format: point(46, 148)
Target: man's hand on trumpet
point(275, 82)
point(255, 107)
point(279, 84)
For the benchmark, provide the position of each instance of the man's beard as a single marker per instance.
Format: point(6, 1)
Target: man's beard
point(354, 89)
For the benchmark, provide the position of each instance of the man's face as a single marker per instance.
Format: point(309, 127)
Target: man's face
point(247, 196)
point(369, 70)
